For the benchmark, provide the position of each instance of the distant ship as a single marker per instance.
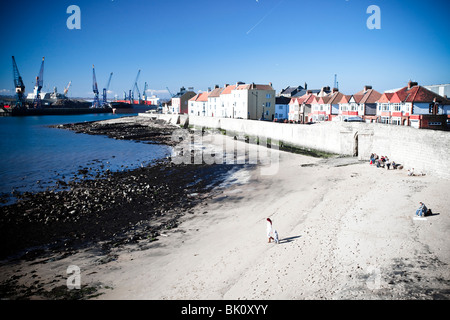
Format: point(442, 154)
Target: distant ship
point(119, 107)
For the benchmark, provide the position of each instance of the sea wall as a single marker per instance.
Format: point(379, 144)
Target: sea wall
point(426, 151)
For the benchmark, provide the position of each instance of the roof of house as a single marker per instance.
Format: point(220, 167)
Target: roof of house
point(228, 89)
point(345, 98)
point(335, 97)
point(385, 97)
point(323, 99)
point(289, 90)
point(415, 93)
point(282, 100)
point(304, 92)
point(358, 97)
point(215, 93)
point(182, 92)
point(371, 96)
point(421, 94)
point(200, 97)
point(253, 86)
point(310, 98)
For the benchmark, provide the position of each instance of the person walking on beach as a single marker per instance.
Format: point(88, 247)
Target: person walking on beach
point(269, 230)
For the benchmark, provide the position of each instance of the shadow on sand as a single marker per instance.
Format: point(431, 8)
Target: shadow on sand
point(289, 239)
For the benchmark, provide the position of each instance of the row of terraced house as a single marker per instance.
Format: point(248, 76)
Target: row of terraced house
point(412, 105)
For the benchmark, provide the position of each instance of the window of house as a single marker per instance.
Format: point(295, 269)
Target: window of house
point(268, 96)
point(268, 104)
point(396, 121)
point(385, 120)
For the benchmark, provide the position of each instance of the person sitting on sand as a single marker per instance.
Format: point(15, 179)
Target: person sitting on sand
point(269, 230)
point(422, 210)
point(411, 172)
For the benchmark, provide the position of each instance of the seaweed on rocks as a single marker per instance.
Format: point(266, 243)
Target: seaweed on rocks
point(149, 131)
point(123, 207)
point(116, 208)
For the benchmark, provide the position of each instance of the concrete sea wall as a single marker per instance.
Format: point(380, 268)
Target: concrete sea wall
point(424, 150)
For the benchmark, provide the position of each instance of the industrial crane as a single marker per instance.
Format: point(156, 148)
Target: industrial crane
point(135, 86)
point(105, 90)
point(39, 84)
point(144, 94)
point(19, 85)
point(66, 89)
point(96, 102)
point(171, 95)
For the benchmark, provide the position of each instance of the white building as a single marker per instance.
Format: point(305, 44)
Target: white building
point(225, 107)
point(214, 106)
point(282, 108)
point(197, 105)
point(441, 89)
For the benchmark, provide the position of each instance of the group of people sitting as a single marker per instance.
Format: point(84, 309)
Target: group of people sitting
point(383, 161)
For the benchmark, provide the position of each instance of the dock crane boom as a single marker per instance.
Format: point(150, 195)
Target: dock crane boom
point(19, 85)
point(145, 92)
point(39, 84)
point(135, 86)
point(96, 102)
point(66, 89)
point(171, 95)
point(105, 90)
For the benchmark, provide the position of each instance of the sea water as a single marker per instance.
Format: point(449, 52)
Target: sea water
point(34, 157)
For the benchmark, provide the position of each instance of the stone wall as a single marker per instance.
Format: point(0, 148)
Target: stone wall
point(424, 150)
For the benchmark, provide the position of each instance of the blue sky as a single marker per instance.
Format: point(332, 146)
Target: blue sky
point(201, 43)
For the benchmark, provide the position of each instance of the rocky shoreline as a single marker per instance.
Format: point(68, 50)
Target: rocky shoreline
point(128, 128)
point(114, 209)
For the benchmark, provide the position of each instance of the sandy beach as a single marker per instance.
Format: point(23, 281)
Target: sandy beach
point(346, 231)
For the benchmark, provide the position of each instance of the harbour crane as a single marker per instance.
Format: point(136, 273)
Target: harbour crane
point(135, 86)
point(37, 103)
point(105, 90)
point(96, 102)
point(66, 89)
point(171, 95)
point(19, 85)
point(145, 92)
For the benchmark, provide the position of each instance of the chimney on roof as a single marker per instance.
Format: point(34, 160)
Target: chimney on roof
point(308, 91)
point(306, 86)
point(366, 87)
point(335, 90)
point(411, 84)
point(226, 85)
point(270, 83)
point(216, 86)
